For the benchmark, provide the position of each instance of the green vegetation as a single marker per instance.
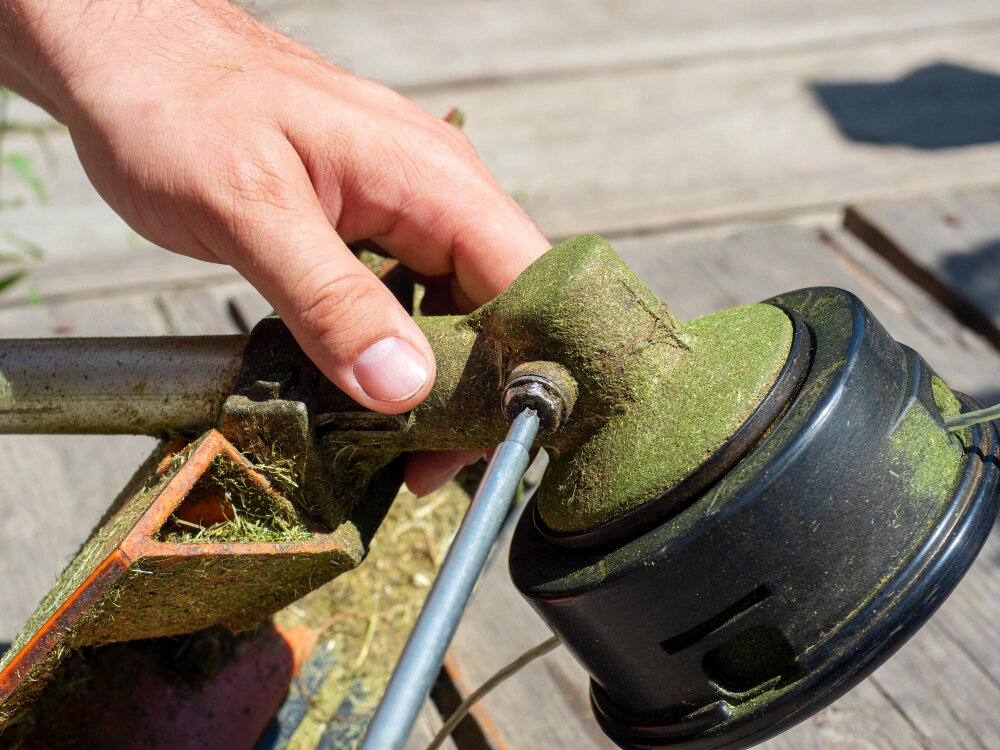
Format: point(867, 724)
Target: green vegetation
point(250, 513)
point(367, 614)
point(925, 455)
point(238, 527)
point(18, 254)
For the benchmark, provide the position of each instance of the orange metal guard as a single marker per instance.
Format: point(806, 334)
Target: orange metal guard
point(130, 582)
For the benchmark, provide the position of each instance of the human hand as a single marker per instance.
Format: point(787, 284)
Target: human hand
point(218, 138)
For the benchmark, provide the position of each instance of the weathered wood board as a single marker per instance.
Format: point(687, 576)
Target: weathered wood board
point(427, 726)
point(948, 243)
point(620, 151)
point(453, 41)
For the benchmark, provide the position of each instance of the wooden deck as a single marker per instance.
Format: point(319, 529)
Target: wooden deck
point(711, 143)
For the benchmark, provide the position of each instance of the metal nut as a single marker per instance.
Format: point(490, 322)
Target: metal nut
point(550, 395)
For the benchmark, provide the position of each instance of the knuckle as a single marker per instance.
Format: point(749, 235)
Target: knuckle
point(242, 190)
point(451, 137)
point(252, 180)
point(383, 94)
point(459, 139)
point(432, 152)
point(334, 309)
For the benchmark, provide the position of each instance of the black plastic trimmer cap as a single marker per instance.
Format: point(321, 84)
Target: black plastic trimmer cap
point(804, 566)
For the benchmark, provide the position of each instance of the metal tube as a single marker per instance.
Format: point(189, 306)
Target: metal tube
point(424, 651)
point(139, 386)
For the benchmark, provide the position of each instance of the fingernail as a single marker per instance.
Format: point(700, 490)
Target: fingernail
point(390, 370)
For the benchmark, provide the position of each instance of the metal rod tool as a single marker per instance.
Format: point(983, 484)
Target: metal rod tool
point(424, 651)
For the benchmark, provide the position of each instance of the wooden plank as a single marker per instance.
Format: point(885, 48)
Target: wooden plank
point(864, 718)
point(107, 274)
point(87, 248)
point(216, 309)
point(949, 244)
point(964, 626)
point(462, 41)
point(246, 307)
point(675, 146)
point(697, 273)
point(468, 41)
point(940, 688)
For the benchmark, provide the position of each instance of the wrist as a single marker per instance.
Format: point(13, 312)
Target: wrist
point(20, 56)
point(63, 53)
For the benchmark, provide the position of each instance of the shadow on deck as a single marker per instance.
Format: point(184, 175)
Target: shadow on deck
point(934, 107)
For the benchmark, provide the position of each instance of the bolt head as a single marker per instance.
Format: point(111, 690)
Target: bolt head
point(527, 392)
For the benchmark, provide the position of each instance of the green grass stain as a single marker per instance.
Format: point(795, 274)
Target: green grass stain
point(923, 455)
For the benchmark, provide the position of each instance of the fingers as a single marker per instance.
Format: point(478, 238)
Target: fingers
point(344, 319)
point(485, 235)
point(417, 188)
point(426, 471)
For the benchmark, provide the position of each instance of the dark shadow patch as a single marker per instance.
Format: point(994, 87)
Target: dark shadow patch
point(976, 275)
point(468, 735)
point(934, 107)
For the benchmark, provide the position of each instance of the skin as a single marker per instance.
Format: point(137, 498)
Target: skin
point(218, 138)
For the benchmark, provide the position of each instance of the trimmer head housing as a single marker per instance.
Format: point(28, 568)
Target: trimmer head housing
point(805, 566)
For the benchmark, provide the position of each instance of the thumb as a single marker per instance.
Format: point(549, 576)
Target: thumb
point(342, 316)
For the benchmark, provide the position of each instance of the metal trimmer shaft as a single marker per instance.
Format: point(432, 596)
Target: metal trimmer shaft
point(140, 386)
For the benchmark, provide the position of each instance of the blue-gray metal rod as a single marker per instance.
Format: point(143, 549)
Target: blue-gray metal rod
point(424, 652)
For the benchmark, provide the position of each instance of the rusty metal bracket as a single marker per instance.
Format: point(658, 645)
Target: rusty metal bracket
point(130, 581)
